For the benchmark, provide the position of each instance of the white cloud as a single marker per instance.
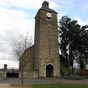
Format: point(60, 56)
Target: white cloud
point(14, 20)
point(54, 5)
point(4, 55)
point(80, 21)
point(4, 46)
point(61, 14)
point(11, 18)
point(10, 64)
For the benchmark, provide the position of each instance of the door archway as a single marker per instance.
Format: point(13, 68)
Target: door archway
point(49, 71)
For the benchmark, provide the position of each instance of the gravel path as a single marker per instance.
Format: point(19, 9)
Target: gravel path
point(44, 81)
point(6, 83)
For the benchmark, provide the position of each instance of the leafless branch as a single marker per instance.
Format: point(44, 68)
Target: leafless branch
point(20, 44)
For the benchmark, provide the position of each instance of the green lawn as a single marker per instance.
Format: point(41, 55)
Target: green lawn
point(59, 85)
point(63, 85)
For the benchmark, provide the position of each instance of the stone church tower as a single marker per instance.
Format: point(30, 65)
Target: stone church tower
point(46, 42)
point(42, 59)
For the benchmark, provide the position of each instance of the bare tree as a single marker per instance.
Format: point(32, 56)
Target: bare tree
point(19, 45)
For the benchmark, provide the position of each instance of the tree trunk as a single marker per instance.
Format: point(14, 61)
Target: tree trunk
point(22, 76)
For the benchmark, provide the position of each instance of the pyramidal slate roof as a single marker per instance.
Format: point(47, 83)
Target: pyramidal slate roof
point(45, 6)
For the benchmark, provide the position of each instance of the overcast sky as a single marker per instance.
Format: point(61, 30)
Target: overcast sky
point(17, 17)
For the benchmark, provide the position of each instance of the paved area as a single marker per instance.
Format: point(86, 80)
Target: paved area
point(5, 83)
point(38, 81)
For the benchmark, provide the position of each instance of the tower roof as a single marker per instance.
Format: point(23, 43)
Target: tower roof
point(45, 6)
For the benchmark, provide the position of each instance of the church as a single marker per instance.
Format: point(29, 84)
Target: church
point(42, 59)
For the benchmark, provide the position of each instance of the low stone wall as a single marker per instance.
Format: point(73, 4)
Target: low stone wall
point(29, 75)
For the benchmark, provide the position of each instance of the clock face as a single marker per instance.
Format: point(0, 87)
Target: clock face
point(49, 15)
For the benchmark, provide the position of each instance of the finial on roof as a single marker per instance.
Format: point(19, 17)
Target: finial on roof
point(45, 4)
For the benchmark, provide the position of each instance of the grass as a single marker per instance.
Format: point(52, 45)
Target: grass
point(60, 85)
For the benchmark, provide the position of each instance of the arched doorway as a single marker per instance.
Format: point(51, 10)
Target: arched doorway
point(49, 71)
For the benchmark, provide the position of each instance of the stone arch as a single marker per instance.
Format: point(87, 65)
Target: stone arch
point(49, 71)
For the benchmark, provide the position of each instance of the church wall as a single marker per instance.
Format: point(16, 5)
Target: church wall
point(37, 33)
point(28, 61)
